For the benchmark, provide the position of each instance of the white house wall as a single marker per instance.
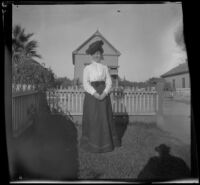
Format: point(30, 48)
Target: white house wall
point(178, 80)
point(110, 60)
point(81, 60)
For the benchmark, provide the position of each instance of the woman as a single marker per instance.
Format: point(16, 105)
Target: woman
point(98, 128)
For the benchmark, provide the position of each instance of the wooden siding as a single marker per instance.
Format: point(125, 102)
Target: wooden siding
point(178, 80)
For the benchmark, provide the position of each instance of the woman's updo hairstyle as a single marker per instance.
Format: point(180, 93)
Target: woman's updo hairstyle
point(94, 47)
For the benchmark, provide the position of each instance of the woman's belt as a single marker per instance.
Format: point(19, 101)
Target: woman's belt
point(97, 83)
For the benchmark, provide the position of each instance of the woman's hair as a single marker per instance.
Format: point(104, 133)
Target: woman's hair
point(94, 47)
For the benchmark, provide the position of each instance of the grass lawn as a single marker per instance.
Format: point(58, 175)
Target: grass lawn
point(125, 162)
point(49, 149)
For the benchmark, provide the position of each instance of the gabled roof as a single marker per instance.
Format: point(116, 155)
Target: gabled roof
point(97, 33)
point(180, 69)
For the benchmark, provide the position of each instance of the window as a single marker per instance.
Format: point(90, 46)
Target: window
point(183, 82)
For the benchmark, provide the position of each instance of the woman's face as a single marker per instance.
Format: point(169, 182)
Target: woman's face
point(97, 56)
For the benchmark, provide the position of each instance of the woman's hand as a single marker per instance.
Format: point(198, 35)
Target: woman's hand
point(102, 96)
point(96, 95)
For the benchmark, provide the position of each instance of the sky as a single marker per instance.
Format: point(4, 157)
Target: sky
point(143, 33)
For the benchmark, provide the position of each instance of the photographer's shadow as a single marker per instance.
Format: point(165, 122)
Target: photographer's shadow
point(121, 120)
point(164, 167)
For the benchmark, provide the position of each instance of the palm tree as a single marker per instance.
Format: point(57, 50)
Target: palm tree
point(22, 47)
point(26, 70)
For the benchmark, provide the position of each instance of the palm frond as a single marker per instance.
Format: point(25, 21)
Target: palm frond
point(22, 37)
point(17, 45)
point(29, 35)
point(21, 46)
point(16, 30)
point(34, 54)
point(31, 45)
point(30, 49)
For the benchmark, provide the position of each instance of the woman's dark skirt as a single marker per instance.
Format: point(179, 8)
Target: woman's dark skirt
point(98, 127)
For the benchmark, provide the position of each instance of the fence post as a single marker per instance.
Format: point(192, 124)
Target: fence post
point(159, 89)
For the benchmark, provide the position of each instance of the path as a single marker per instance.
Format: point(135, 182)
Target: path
point(177, 119)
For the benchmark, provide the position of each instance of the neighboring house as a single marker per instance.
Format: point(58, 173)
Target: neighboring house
point(80, 59)
point(178, 77)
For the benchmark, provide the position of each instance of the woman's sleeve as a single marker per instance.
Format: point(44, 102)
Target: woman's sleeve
point(86, 83)
point(108, 82)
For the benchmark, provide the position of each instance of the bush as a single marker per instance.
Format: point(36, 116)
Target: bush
point(31, 72)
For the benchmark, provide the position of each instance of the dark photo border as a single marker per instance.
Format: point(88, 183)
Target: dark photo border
point(190, 23)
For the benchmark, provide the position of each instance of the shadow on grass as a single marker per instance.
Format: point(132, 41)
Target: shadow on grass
point(164, 167)
point(121, 123)
point(47, 150)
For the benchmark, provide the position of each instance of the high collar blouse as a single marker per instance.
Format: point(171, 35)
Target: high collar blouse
point(96, 72)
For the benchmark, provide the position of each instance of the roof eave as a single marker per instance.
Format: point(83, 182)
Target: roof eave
point(175, 74)
point(95, 34)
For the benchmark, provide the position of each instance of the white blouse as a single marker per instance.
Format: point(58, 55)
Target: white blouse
point(96, 72)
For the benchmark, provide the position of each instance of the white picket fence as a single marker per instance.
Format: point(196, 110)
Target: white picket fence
point(129, 101)
point(178, 93)
point(26, 100)
point(25, 104)
point(182, 92)
point(22, 87)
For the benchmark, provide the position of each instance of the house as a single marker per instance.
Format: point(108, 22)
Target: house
point(178, 77)
point(110, 58)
